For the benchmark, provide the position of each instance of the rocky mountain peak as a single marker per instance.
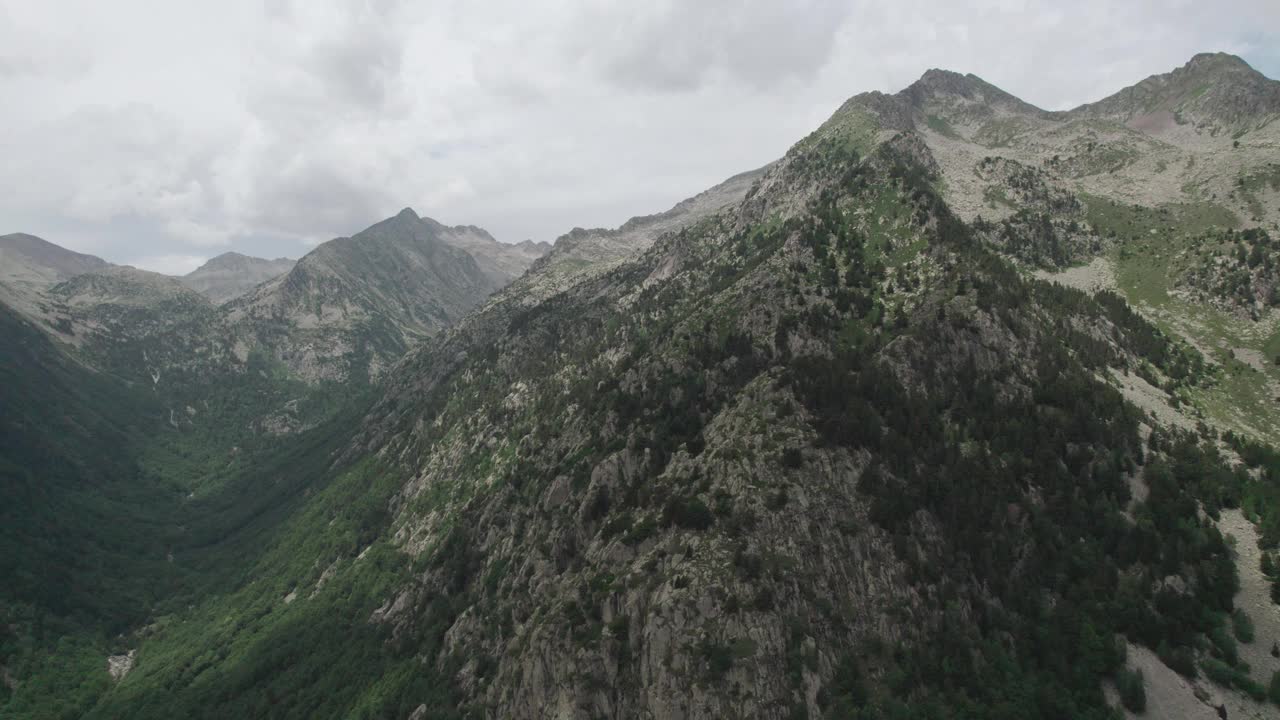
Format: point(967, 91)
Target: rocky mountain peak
point(542, 246)
point(1213, 92)
point(1218, 62)
point(948, 87)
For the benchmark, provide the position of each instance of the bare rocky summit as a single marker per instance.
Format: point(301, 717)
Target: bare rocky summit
point(502, 262)
point(230, 275)
point(1204, 134)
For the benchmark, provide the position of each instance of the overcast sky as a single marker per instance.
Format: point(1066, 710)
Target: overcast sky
point(163, 133)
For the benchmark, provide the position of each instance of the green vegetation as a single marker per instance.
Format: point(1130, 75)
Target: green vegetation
point(942, 127)
point(1138, 223)
point(1132, 688)
point(1174, 248)
point(1242, 626)
point(1236, 269)
point(1047, 227)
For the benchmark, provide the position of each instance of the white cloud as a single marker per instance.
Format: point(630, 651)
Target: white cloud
point(193, 234)
point(169, 264)
point(157, 131)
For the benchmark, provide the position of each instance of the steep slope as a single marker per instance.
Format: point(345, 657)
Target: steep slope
point(805, 446)
point(820, 454)
point(218, 394)
point(742, 506)
point(152, 448)
point(105, 524)
point(278, 361)
point(82, 528)
point(230, 275)
point(354, 305)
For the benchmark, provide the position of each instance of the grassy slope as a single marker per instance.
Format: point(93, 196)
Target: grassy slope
point(1147, 261)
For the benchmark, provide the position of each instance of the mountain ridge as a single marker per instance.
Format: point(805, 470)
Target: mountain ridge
point(28, 263)
point(229, 275)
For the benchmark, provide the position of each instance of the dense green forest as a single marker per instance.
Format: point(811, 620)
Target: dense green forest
point(103, 541)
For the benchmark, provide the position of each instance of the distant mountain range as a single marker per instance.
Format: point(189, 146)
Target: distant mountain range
point(230, 275)
point(351, 303)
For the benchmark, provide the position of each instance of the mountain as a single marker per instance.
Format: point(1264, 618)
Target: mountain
point(811, 444)
point(1203, 135)
point(1169, 192)
point(29, 265)
point(502, 262)
point(230, 275)
point(342, 313)
point(153, 442)
point(352, 306)
point(29, 260)
point(1214, 93)
point(143, 326)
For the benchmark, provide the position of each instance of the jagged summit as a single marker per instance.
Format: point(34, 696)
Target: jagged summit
point(542, 246)
point(500, 262)
point(354, 304)
point(1219, 60)
point(941, 85)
